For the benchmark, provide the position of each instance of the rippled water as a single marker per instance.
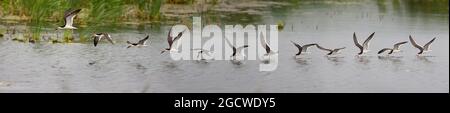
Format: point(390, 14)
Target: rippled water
point(80, 67)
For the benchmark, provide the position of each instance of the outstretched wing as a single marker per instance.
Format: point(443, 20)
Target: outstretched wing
point(96, 39)
point(142, 42)
point(384, 49)
point(414, 43)
point(239, 49)
point(339, 49)
point(397, 45)
point(177, 38)
point(231, 45)
point(169, 38)
point(108, 37)
point(69, 15)
point(367, 41)
point(355, 40)
point(427, 46)
point(322, 48)
point(299, 48)
point(305, 47)
point(264, 43)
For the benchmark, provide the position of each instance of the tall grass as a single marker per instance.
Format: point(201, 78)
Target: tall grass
point(38, 11)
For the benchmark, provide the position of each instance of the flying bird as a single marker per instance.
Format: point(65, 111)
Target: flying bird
point(69, 15)
point(99, 36)
point(365, 46)
point(393, 50)
point(139, 44)
point(266, 46)
point(330, 51)
point(201, 52)
point(171, 40)
point(423, 49)
point(302, 49)
point(237, 51)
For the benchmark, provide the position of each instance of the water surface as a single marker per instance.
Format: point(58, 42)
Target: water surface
point(80, 67)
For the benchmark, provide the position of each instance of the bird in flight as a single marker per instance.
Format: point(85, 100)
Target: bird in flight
point(237, 51)
point(99, 36)
point(364, 48)
point(171, 40)
point(69, 15)
point(393, 50)
point(330, 51)
point(141, 43)
point(423, 49)
point(302, 49)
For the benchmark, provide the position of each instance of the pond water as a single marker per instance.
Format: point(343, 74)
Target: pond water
point(80, 67)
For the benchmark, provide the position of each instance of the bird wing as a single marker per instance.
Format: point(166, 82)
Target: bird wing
point(108, 37)
point(415, 44)
point(142, 42)
point(298, 46)
point(427, 45)
point(383, 50)
point(231, 45)
point(199, 49)
point(169, 38)
point(366, 42)
point(355, 40)
point(337, 49)
point(397, 45)
point(325, 49)
point(177, 38)
point(228, 42)
point(264, 43)
point(239, 49)
point(69, 16)
point(96, 39)
point(128, 42)
point(305, 47)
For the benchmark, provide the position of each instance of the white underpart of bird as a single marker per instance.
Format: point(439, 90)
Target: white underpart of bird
point(69, 16)
point(364, 48)
point(422, 49)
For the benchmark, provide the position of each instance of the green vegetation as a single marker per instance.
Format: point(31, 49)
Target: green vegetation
point(98, 15)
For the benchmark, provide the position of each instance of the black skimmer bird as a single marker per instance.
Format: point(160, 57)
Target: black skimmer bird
point(237, 51)
point(423, 49)
point(69, 15)
point(201, 52)
point(139, 44)
point(266, 46)
point(330, 51)
point(364, 48)
point(269, 51)
point(393, 50)
point(99, 36)
point(302, 49)
point(171, 40)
